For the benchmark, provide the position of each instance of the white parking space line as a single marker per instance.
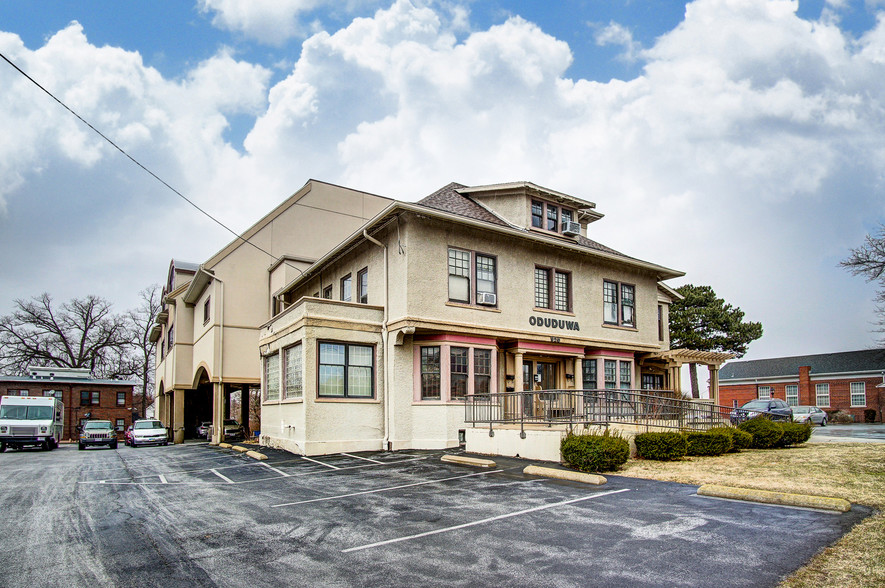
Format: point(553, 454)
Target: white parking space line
point(365, 458)
point(389, 488)
point(321, 463)
point(163, 479)
point(270, 467)
point(222, 476)
point(482, 521)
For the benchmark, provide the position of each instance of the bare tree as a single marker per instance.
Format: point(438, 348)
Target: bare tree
point(868, 260)
point(83, 333)
point(142, 351)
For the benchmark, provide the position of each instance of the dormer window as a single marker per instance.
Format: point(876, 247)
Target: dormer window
point(550, 217)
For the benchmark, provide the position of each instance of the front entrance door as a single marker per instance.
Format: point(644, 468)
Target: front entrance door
point(547, 373)
point(536, 375)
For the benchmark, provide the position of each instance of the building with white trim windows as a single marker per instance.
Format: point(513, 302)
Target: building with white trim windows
point(471, 290)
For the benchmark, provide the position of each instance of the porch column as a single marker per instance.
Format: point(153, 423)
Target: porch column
point(160, 409)
point(244, 408)
point(217, 412)
point(714, 383)
point(178, 416)
point(518, 384)
point(676, 379)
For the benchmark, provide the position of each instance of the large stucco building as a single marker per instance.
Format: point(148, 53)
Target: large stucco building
point(469, 291)
point(207, 331)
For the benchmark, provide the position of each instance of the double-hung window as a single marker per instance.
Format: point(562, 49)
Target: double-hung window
point(327, 292)
point(458, 371)
point(619, 304)
point(537, 214)
point(346, 370)
point(89, 397)
point(346, 288)
point(822, 394)
point(294, 387)
point(362, 284)
point(626, 375)
point(858, 393)
point(792, 394)
point(464, 265)
point(482, 371)
point(430, 373)
point(588, 374)
point(272, 377)
point(611, 374)
point(121, 399)
point(552, 218)
point(763, 392)
point(557, 298)
point(207, 307)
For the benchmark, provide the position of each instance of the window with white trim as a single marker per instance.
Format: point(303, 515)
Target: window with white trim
point(294, 384)
point(272, 377)
point(822, 394)
point(763, 392)
point(792, 392)
point(120, 425)
point(858, 393)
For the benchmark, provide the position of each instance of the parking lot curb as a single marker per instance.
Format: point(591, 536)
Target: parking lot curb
point(569, 475)
point(781, 498)
point(239, 448)
point(471, 461)
point(256, 455)
point(225, 445)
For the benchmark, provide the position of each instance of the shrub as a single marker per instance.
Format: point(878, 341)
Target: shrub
point(660, 446)
point(713, 442)
point(766, 433)
point(794, 434)
point(739, 439)
point(839, 416)
point(869, 415)
point(595, 453)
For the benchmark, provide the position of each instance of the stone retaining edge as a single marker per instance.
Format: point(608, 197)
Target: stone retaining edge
point(471, 461)
point(781, 498)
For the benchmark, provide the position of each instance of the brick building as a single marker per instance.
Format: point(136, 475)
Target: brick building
point(83, 396)
point(850, 381)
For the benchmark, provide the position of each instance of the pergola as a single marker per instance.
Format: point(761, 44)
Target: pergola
point(674, 359)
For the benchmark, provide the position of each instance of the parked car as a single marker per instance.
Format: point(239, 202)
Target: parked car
point(148, 432)
point(776, 410)
point(203, 429)
point(98, 433)
point(127, 436)
point(233, 430)
point(809, 414)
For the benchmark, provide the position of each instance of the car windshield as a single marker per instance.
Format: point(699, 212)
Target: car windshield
point(802, 409)
point(231, 422)
point(97, 425)
point(29, 413)
point(756, 405)
point(148, 425)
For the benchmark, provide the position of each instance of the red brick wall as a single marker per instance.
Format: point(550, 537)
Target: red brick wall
point(840, 394)
point(106, 409)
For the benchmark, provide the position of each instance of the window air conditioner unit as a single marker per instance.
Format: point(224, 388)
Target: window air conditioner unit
point(486, 298)
point(571, 228)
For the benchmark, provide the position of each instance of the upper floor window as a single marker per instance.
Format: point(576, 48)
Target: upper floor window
point(327, 292)
point(346, 370)
point(206, 308)
point(89, 397)
point(170, 338)
point(660, 322)
point(619, 304)
point(362, 285)
point(464, 265)
point(858, 393)
point(557, 298)
point(121, 399)
point(346, 288)
point(537, 214)
point(550, 217)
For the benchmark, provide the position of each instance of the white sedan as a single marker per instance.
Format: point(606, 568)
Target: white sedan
point(809, 414)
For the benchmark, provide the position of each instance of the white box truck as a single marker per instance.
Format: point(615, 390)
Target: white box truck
point(30, 420)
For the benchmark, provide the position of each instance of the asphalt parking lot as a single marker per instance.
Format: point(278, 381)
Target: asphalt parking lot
point(195, 515)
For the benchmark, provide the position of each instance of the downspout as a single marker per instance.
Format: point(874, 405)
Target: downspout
point(385, 338)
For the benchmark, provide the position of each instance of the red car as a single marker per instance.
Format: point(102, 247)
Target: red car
point(127, 436)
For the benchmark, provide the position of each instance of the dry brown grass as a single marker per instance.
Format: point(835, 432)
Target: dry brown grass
point(853, 471)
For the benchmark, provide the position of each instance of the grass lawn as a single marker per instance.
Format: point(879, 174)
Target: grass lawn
point(853, 471)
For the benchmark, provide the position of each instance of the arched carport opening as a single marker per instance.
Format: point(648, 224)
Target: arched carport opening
point(197, 403)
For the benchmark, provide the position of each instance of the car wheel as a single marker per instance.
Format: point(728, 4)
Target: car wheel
point(80, 446)
point(114, 445)
point(2, 447)
point(823, 422)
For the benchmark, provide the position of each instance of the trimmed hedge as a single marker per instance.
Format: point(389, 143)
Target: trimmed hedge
point(595, 453)
point(794, 434)
point(661, 446)
point(712, 442)
point(766, 433)
point(739, 439)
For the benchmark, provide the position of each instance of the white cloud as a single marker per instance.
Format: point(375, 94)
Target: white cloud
point(617, 34)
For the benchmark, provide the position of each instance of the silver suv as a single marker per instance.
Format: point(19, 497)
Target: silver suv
point(98, 433)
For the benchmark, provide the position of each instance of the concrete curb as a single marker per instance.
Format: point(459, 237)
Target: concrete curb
point(781, 498)
point(256, 455)
point(570, 475)
point(471, 461)
point(239, 448)
point(225, 445)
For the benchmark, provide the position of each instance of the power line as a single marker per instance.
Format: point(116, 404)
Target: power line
point(138, 163)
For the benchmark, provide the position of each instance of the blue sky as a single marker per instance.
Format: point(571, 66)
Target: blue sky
point(741, 141)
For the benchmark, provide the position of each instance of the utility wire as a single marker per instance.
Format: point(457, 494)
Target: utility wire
point(138, 163)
